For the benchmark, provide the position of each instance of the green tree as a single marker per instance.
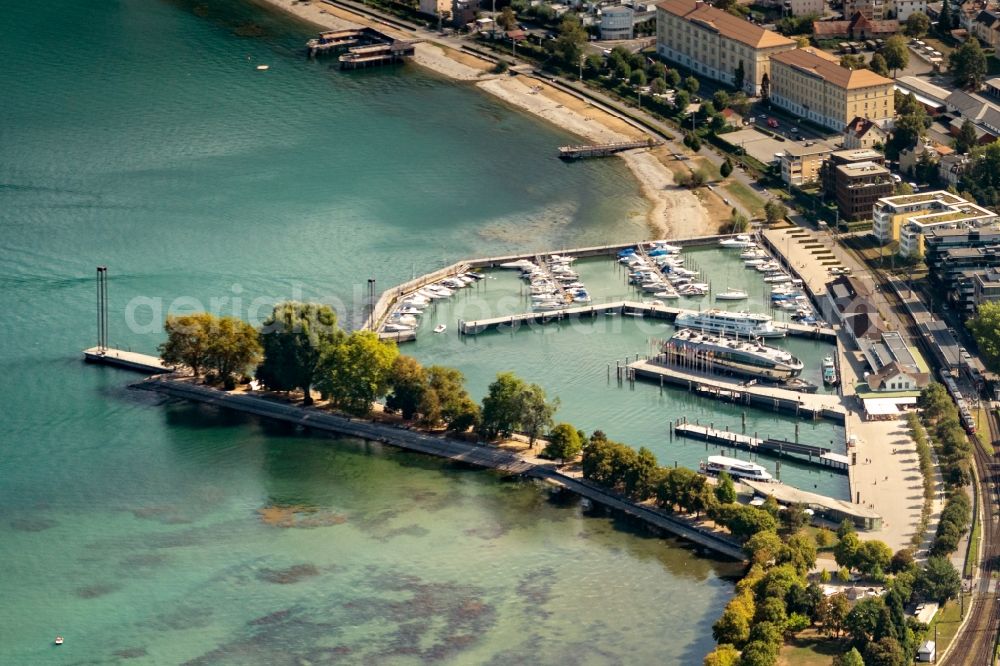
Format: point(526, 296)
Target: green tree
point(846, 550)
point(507, 19)
point(455, 407)
point(902, 560)
point(409, 387)
point(658, 86)
point(637, 77)
point(833, 613)
point(187, 341)
point(985, 328)
point(739, 76)
point(862, 622)
point(594, 64)
point(571, 40)
point(358, 371)
point(740, 103)
point(967, 138)
point(723, 655)
point(938, 580)
point(233, 349)
point(726, 168)
point(764, 548)
point(564, 443)
point(673, 78)
point(725, 491)
point(800, 552)
point(851, 61)
point(879, 65)
point(512, 404)
point(775, 211)
point(294, 338)
point(967, 65)
point(945, 19)
point(896, 53)
point(681, 101)
point(852, 658)
point(733, 626)
point(721, 99)
point(885, 652)
point(917, 24)
point(872, 557)
point(759, 653)
point(691, 85)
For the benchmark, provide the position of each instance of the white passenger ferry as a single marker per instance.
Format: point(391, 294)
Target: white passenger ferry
point(722, 354)
point(736, 468)
point(740, 324)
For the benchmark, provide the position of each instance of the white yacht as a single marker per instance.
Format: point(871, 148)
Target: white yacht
point(722, 354)
point(829, 371)
point(740, 324)
point(732, 295)
point(736, 468)
point(742, 242)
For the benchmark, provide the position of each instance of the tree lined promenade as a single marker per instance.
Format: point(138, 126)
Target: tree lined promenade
point(366, 388)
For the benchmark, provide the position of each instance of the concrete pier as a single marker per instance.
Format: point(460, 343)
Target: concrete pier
point(805, 454)
point(604, 149)
point(626, 308)
point(128, 360)
point(809, 405)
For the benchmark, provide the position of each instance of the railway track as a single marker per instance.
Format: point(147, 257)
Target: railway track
point(976, 642)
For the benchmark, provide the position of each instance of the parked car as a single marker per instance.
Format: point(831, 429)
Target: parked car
point(772, 122)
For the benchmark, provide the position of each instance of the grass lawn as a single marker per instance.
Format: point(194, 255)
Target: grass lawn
point(810, 648)
point(947, 621)
point(746, 196)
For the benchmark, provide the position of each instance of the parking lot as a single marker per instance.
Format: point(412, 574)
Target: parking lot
point(757, 145)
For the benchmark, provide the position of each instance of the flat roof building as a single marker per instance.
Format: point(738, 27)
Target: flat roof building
point(715, 43)
point(801, 163)
point(856, 178)
point(907, 218)
point(822, 91)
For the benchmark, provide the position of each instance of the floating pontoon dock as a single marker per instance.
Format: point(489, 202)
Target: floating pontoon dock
point(805, 454)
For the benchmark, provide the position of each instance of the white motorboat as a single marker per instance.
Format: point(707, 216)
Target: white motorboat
point(779, 278)
point(406, 320)
point(416, 312)
point(741, 242)
point(440, 328)
point(263, 68)
point(732, 295)
point(753, 253)
point(549, 305)
point(392, 327)
point(520, 263)
point(752, 263)
point(729, 355)
point(667, 294)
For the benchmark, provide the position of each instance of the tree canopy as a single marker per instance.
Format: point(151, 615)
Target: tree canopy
point(564, 442)
point(896, 53)
point(511, 404)
point(358, 371)
point(294, 338)
point(967, 65)
point(985, 328)
point(226, 346)
point(917, 25)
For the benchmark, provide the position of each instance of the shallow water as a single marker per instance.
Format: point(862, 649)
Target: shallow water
point(150, 531)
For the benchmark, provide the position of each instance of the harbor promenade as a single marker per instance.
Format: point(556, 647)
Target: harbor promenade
point(477, 454)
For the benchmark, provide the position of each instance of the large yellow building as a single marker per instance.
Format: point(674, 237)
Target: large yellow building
point(820, 90)
point(715, 43)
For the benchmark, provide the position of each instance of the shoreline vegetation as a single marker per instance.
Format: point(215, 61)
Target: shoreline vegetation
point(364, 381)
point(674, 211)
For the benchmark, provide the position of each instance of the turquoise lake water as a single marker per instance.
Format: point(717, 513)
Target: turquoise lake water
point(153, 531)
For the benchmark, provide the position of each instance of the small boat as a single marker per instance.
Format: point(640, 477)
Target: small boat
point(667, 294)
point(520, 263)
point(397, 328)
point(416, 312)
point(440, 328)
point(741, 242)
point(778, 278)
point(263, 68)
point(59, 640)
point(732, 295)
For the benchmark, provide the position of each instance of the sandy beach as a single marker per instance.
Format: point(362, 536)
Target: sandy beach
point(674, 211)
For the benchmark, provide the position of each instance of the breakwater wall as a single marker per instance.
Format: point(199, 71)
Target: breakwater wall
point(480, 455)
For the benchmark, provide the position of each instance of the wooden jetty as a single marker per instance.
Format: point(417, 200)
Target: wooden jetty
point(805, 454)
point(626, 308)
point(129, 360)
point(809, 405)
point(365, 47)
point(374, 55)
point(604, 149)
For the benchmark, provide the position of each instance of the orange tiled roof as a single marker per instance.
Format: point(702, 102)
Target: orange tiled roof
point(830, 71)
point(724, 23)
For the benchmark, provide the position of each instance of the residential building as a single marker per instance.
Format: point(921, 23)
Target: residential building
point(804, 7)
point(822, 91)
point(907, 218)
point(863, 133)
point(870, 9)
point(856, 179)
point(849, 301)
point(986, 28)
point(939, 241)
point(715, 43)
point(927, 149)
point(971, 288)
point(858, 27)
point(801, 163)
point(435, 7)
point(952, 168)
point(617, 22)
point(901, 9)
